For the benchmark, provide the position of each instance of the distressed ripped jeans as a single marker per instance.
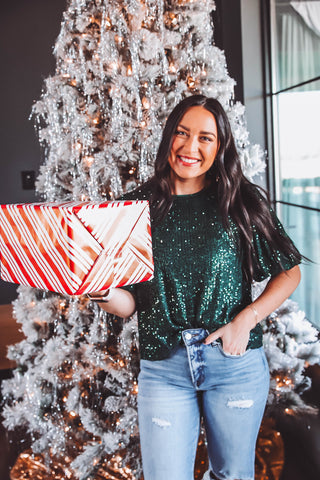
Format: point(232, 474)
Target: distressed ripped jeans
point(229, 392)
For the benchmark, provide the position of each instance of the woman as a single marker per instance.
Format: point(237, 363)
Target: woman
point(200, 338)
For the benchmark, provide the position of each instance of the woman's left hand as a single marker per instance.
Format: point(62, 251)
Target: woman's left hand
point(234, 335)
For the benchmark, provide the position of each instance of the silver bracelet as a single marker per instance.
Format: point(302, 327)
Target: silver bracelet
point(103, 298)
point(256, 314)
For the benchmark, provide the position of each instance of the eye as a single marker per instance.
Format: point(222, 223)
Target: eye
point(206, 139)
point(180, 132)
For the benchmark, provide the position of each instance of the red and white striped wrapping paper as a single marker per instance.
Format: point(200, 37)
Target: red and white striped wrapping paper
point(76, 248)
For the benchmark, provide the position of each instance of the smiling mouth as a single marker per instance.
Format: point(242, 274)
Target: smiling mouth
point(188, 161)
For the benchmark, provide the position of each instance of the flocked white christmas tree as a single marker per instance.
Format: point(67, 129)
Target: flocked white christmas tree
point(121, 68)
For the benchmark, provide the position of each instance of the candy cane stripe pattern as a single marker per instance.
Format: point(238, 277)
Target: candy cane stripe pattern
point(76, 247)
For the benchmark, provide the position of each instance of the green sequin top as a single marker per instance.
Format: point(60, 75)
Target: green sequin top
point(198, 280)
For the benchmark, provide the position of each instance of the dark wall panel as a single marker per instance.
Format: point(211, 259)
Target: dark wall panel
point(28, 30)
point(227, 36)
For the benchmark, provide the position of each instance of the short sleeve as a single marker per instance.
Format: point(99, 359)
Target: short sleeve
point(270, 262)
point(130, 288)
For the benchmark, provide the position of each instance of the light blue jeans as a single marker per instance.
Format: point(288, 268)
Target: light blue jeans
point(197, 380)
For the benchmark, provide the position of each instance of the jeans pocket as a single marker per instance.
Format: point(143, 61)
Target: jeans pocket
point(229, 355)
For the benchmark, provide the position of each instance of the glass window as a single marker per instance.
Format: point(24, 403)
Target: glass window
point(296, 41)
point(298, 148)
point(295, 36)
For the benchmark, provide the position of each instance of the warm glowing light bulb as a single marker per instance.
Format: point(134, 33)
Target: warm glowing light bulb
point(145, 103)
point(88, 160)
point(118, 38)
point(129, 71)
point(191, 82)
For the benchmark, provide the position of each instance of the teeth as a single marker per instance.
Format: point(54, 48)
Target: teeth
point(188, 160)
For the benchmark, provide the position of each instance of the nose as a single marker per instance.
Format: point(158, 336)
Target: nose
point(192, 144)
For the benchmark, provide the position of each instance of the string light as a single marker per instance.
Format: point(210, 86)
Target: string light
point(108, 23)
point(146, 103)
point(289, 411)
point(88, 160)
point(191, 82)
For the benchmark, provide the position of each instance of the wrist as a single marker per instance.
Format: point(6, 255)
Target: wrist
point(254, 315)
point(248, 317)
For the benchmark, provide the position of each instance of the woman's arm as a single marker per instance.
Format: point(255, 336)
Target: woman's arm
point(235, 335)
point(120, 302)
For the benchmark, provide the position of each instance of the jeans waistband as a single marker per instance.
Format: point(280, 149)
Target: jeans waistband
point(194, 335)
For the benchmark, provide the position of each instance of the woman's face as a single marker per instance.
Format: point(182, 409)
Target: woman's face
point(194, 147)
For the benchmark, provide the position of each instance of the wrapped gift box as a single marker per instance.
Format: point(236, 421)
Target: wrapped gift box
point(76, 248)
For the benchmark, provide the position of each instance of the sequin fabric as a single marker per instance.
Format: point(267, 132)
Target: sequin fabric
point(198, 280)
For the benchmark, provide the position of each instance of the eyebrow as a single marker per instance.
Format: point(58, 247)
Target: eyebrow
point(202, 132)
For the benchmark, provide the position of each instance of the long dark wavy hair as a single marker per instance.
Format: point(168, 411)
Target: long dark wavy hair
point(237, 197)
